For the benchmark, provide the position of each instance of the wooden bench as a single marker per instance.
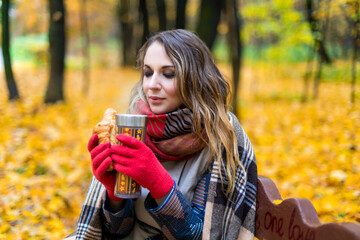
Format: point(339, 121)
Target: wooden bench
point(294, 218)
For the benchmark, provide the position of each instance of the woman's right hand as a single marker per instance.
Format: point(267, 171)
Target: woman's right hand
point(100, 161)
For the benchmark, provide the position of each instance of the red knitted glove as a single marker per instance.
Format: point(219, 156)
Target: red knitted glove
point(100, 161)
point(136, 160)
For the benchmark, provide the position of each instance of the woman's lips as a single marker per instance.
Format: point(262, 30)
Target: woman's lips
point(156, 100)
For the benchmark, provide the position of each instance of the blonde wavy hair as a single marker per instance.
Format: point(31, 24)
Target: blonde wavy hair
point(203, 89)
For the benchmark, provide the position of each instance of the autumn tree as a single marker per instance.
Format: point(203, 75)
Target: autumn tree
point(161, 12)
point(209, 19)
point(180, 14)
point(318, 34)
point(319, 43)
point(10, 80)
point(353, 18)
point(54, 90)
point(84, 29)
point(235, 46)
point(134, 27)
point(126, 34)
point(143, 10)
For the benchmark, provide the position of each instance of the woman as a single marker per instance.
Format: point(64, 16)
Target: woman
point(197, 166)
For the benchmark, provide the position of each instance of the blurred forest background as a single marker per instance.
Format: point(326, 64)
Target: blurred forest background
point(292, 63)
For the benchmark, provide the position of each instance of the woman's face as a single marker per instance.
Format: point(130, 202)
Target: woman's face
point(159, 82)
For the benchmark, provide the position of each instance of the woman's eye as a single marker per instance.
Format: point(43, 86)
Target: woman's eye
point(148, 73)
point(169, 75)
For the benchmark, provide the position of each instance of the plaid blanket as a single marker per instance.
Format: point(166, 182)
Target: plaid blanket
point(225, 218)
point(233, 218)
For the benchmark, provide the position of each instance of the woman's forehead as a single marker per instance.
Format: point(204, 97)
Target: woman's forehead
point(157, 55)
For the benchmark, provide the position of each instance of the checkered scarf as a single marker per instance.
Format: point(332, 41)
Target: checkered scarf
point(170, 135)
point(231, 218)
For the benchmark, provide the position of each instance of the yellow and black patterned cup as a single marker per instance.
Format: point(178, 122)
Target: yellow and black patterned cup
point(132, 125)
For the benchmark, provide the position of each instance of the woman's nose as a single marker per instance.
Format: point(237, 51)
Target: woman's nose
point(155, 82)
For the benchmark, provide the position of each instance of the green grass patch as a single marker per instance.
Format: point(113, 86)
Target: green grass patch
point(30, 48)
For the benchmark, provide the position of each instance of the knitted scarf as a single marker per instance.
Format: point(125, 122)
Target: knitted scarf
point(170, 136)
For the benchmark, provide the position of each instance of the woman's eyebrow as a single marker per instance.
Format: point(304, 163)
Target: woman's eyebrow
point(166, 66)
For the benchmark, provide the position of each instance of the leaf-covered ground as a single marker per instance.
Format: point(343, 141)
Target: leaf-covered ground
point(311, 150)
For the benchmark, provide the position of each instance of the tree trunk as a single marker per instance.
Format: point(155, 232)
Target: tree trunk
point(145, 20)
point(209, 19)
point(85, 46)
point(235, 50)
point(346, 44)
point(10, 80)
point(316, 32)
point(319, 43)
point(306, 85)
point(126, 33)
point(317, 78)
point(353, 76)
point(180, 14)
point(356, 43)
point(54, 90)
point(161, 11)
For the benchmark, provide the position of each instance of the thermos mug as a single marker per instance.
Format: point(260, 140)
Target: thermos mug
point(132, 125)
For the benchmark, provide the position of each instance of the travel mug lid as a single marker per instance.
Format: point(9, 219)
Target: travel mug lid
point(131, 120)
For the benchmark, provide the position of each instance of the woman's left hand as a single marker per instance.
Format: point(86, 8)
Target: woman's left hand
point(135, 159)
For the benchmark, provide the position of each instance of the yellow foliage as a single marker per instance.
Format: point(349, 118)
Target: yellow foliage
point(310, 150)
point(44, 164)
